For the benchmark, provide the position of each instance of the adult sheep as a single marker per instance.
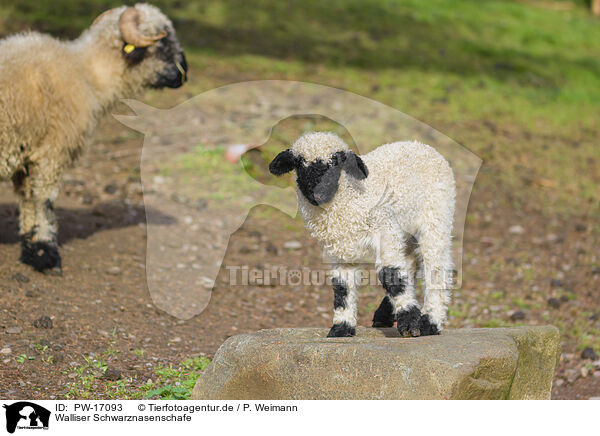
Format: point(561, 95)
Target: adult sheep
point(395, 204)
point(52, 95)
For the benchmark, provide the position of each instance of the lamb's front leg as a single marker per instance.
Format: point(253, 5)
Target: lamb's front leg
point(344, 303)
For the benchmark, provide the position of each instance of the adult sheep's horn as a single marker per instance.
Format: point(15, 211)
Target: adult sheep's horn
point(99, 17)
point(128, 25)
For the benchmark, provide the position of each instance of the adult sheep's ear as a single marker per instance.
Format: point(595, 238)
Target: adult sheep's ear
point(355, 167)
point(283, 163)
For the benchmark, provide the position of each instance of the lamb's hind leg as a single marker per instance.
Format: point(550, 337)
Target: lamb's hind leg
point(385, 316)
point(37, 222)
point(399, 289)
point(437, 276)
point(396, 274)
point(344, 303)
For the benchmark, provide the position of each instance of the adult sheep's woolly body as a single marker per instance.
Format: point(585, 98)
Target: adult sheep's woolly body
point(409, 195)
point(52, 95)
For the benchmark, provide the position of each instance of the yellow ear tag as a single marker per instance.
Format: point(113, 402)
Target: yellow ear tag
point(129, 48)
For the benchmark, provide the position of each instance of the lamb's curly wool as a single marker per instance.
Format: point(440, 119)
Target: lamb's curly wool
point(52, 95)
point(409, 194)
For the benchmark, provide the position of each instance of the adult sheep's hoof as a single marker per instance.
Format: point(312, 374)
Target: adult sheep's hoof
point(384, 315)
point(343, 330)
point(427, 327)
point(409, 322)
point(42, 256)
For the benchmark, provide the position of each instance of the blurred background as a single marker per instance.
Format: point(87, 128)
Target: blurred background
point(515, 82)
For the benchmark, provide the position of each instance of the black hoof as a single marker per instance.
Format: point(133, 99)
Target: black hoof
point(427, 327)
point(409, 322)
point(384, 315)
point(42, 256)
point(343, 330)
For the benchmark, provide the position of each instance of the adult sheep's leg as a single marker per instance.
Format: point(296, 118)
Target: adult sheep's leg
point(37, 223)
point(344, 303)
point(436, 247)
point(396, 272)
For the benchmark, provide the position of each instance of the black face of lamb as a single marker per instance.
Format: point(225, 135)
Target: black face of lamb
point(174, 74)
point(319, 181)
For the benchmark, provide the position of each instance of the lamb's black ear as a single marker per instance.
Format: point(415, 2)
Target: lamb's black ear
point(283, 163)
point(355, 166)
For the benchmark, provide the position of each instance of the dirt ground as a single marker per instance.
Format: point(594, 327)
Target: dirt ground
point(100, 306)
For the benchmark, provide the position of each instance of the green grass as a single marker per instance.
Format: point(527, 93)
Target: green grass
point(170, 383)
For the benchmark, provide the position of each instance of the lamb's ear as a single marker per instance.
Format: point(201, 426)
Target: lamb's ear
point(355, 167)
point(283, 163)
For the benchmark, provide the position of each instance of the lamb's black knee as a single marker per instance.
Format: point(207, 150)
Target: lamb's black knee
point(427, 327)
point(341, 330)
point(41, 256)
point(409, 322)
point(391, 281)
point(384, 315)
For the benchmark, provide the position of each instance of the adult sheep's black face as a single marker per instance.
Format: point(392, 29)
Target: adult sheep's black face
point(318, 180)
point(174, 74)
point(149, 46)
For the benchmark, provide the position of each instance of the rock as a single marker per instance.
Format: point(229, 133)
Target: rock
point(111, 188)
point(5, 351)
point(115, 270)
point(516, 230)
point(44, 343)
point(14, 330)
point(554, 303)
point(20, 278)
point(112, 374)
point(589, 353)
point(271, 249)
point(292, 245)
point(517, 315)
point(43, 322)
point(572, 375)
point(503, 363)
point(556, 283)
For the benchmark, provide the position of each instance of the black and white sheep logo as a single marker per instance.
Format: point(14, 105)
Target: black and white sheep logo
point(26, 415)
point(187, 240)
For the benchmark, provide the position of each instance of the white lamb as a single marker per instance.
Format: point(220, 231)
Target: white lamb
point(395, 204)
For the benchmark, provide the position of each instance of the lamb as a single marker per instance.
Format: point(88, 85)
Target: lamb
point(52, 95)
point(394, 204)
